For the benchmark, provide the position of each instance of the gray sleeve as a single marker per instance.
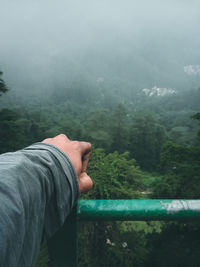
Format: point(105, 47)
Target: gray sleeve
point(38, 189)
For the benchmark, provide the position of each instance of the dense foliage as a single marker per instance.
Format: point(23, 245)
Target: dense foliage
point(3, 87)
point(142, 147)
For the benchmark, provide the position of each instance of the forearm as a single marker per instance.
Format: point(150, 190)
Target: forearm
point(38, 188)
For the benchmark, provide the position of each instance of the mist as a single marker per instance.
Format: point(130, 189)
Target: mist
point(124, 76)
point(46, 46)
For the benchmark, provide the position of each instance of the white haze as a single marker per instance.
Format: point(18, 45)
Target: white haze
point(46, 45)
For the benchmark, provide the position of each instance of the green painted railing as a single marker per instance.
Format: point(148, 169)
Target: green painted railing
point(63, 246)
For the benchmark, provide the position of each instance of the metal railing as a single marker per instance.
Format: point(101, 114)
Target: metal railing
point(63, 246)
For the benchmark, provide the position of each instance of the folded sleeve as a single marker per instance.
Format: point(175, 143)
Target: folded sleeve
point(38, 189)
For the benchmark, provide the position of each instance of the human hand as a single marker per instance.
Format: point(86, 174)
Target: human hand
point(79, 153)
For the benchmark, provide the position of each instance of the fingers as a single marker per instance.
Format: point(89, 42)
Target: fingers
point(85, 160)
point(78, 152)
point(85, 182)
point(85, 148)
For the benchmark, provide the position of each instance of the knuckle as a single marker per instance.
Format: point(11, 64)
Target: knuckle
point(76, 143)
point(62, 136)
point(90, 146)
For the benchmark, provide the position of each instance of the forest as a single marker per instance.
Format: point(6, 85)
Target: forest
point(149, 151)
point(125, 77)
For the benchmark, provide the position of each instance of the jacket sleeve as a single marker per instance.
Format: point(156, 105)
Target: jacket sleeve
point(38, 189)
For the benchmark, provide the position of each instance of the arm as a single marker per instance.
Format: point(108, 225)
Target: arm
point(39, 186)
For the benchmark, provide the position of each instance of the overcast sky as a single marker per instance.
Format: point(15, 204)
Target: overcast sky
point(39, 37)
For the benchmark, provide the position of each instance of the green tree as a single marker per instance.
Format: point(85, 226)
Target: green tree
point(17, 130)
point(3, 87)
point(114, 176)
point(96, 129)
point(146, 139)
point(119, 129)
point(197, 117)
point(180, 167)
point(177, 245)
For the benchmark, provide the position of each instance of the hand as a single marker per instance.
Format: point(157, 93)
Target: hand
point(79, 153)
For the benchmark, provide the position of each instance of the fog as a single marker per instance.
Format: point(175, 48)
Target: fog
point(126, 45)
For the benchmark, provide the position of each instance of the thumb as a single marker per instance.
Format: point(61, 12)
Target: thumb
point(85, 182)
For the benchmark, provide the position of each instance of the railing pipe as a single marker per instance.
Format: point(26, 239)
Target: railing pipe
point(124, 210)
point(63, 246)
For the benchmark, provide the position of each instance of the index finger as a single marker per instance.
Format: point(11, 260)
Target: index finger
point(85, 160)
point(85, 148)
